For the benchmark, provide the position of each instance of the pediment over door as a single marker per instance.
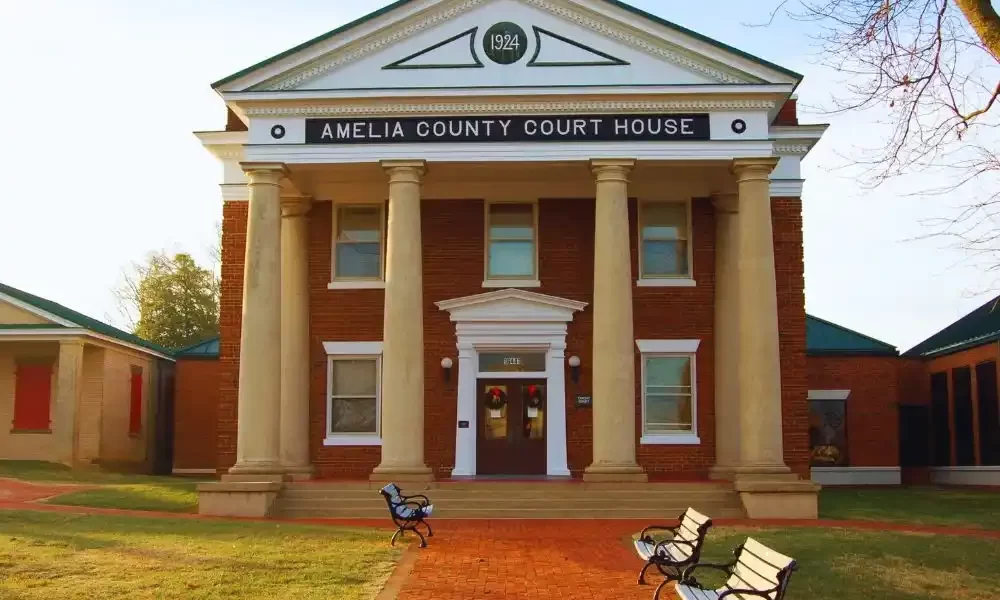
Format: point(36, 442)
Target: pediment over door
point(508, 44)
point(511, 305)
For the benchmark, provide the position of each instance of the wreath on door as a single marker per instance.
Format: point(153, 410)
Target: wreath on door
point(534, 396)
point(496, 398)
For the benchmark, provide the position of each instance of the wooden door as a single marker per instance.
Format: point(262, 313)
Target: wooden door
point(510, 437)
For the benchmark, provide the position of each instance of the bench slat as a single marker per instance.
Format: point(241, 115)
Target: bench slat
point(687, 592)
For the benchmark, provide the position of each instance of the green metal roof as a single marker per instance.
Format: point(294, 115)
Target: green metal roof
point(206, 349)
point(79, 319)
point(824, 338)
point(401, 3)
point(979, 327)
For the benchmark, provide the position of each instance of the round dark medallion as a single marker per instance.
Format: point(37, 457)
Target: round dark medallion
point(505, 43)
point(739, 126)
point(278, 132)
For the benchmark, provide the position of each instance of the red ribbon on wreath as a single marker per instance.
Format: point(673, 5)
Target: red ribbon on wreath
point(496, 398)
point(534, 396)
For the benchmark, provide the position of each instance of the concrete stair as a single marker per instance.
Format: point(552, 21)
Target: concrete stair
point(514, 500)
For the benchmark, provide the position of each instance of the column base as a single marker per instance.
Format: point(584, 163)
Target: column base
point(237, 499)
point(722, 473)
point(603, 473)
point(261, 471)
point(388, 474)
point(778, 496)
point(300, 473)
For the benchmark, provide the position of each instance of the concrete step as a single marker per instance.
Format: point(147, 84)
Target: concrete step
point(704, 505)
point(500, 513)
point(566, 495)
point(574, 485)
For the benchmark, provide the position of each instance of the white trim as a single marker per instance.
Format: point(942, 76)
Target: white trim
point(989, 475)
point(667, 282)
point(349, 439)
point(667, 439)
point(352, 348)
point(668, 346)
point(42, 332)
point(294, 154)
point(786, 188)
point(512, 294)
point(76, 332)
point(857, 475)
point(176, 471)
point(828, 394)
point(512, 283)
point(31, 308)
point(356, 284)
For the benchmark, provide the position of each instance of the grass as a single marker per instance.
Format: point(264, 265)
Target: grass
point(918, 505)
point(177, 497)
point(46, 472)
point(54, 555)
point(840, 563)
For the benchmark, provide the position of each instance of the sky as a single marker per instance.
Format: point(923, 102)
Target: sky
point(100, 98)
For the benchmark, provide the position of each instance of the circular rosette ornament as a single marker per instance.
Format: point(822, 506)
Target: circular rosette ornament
point(533, 396)
point(496, 398)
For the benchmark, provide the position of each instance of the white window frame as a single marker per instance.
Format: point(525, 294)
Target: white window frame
point(666, 280)
point(510, 282)
point(670, 348)
point(353, 351)
point(357, 283)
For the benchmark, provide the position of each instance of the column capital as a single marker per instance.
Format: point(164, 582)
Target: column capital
point(404, 171)
point(754, 169)
point(726, 203)
point(612, 169)
point(72, 343)
point(265, 172)
point(295, 206)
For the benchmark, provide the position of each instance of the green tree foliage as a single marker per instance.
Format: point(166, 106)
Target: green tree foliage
point(171, 301)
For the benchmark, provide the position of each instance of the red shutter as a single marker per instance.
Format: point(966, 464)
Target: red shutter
point(32, 396)
point(135, 403)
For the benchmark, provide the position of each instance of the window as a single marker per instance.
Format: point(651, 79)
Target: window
point(135, 402)
point(511, 244)
point(664, 243)
point(358, 243)
point(32, 398)
point(669, 400)
point(828, 427)
point(354, 382)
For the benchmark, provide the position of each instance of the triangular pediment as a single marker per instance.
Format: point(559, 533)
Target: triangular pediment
point(21, 314)
point(511, 305)
point(505, 43)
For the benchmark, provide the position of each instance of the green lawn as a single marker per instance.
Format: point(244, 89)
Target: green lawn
point(920, 505)
point(835, 564)
point(51, 555)
point(39, 471)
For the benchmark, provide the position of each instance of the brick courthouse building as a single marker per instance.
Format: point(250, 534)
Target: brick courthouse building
point(472, 238)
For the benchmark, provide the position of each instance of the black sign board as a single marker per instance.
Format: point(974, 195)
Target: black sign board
point(463, 424)
point(584, 401)
point(521, 128)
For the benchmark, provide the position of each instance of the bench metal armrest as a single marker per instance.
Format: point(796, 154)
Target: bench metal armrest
point(425, 502)
point(643, 535)
point(663, 546)
point(726, 568)
point(742, 592)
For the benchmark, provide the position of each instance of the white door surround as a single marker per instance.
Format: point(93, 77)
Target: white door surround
point(511, 320)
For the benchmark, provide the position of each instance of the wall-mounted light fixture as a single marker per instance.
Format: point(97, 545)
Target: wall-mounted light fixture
point(574, 368)
point(446, 365)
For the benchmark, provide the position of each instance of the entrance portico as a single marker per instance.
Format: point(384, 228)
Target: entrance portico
point(471, 201)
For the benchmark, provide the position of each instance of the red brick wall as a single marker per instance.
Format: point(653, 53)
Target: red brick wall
point(787, 114)
point(872, 407)
point(196, 398)
point(453, 267)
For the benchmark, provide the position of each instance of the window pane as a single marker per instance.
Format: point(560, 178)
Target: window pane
point(358, 224)
point(354, 377)
point(353, 415)
point(664, 258)
point(512, 259)
point(827, 432)
point(668, 414)
point(669, 371)
point(664, 221)
point(358, 260)
point(512, 221)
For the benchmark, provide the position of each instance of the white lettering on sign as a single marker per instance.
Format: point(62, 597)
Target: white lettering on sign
point(512, 361)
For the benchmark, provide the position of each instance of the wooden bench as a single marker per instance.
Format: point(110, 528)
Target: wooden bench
point(757, 572)
point(407, 512)
point(671, 556)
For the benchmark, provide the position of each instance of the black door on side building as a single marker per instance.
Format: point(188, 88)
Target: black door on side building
point(510, 438)
point(914, 436)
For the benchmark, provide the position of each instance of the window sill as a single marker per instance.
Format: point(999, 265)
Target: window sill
point(356, 285)
point(353, 440)
point(667, 439)
point(512, 283)
point(134, 435)
point(665, 282)
point(41, 431)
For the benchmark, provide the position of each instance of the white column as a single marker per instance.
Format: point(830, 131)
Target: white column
point(69, 388)
point(295, 337)
point(557, 464)
point(727, 337)
point(259, 410)
point(465, 438)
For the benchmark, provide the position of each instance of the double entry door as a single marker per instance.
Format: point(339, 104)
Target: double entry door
point(510, 436)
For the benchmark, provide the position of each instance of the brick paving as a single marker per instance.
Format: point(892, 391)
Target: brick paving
point(13, 491)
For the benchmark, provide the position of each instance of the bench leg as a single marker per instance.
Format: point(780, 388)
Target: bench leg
point(398, 532)
point(659, 588)
point(642, 573)
point(430, 532)
point(423, 542)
